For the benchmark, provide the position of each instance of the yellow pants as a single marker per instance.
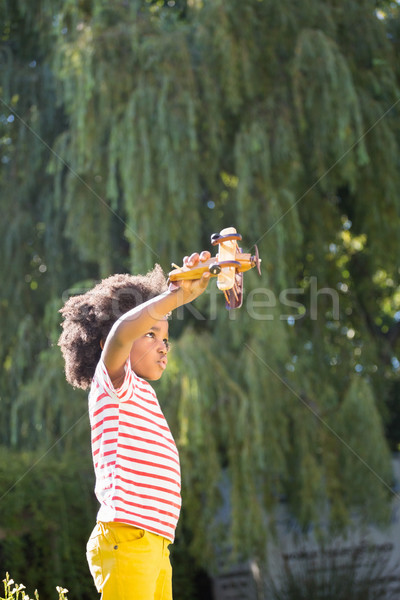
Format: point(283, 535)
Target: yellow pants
point(127, 563)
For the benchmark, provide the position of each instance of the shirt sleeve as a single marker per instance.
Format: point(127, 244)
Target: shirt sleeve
point(126, 390)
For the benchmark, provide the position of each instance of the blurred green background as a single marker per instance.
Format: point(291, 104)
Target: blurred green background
point(130, 132)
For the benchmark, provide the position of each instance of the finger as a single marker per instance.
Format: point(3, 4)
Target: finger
point(192, 260)
point(173, 286)
point(205, 279)
point(205, 255)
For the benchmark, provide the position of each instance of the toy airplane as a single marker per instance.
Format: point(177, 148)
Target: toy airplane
point(228, 265)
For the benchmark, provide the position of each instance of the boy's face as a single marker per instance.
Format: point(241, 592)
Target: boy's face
point(149, 352)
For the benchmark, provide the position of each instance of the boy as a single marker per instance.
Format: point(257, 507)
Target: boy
point(115, 340)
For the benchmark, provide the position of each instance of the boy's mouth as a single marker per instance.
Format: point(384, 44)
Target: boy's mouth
point(163, 362)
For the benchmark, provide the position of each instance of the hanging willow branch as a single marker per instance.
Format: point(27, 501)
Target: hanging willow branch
point(279, 119)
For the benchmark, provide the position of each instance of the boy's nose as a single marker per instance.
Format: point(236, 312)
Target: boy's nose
point(163, 347)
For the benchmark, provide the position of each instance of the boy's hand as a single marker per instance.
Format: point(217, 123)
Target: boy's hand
point(192, 288)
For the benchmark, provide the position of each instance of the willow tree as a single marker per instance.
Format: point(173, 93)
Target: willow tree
point(133, 131)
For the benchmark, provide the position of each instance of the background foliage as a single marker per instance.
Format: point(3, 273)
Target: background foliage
point(130, 131)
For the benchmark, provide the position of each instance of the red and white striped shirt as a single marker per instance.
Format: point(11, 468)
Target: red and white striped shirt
point(135, 458)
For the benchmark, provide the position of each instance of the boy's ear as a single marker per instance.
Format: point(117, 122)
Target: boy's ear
point(102, 344)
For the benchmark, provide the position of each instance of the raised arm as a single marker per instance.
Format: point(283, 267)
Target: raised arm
point(138, 321)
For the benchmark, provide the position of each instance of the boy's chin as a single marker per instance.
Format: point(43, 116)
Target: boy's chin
point(151, 377)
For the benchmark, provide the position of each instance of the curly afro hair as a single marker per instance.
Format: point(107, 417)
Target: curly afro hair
point(89, 317)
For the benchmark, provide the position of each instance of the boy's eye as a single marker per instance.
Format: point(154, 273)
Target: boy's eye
point(152, 335)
